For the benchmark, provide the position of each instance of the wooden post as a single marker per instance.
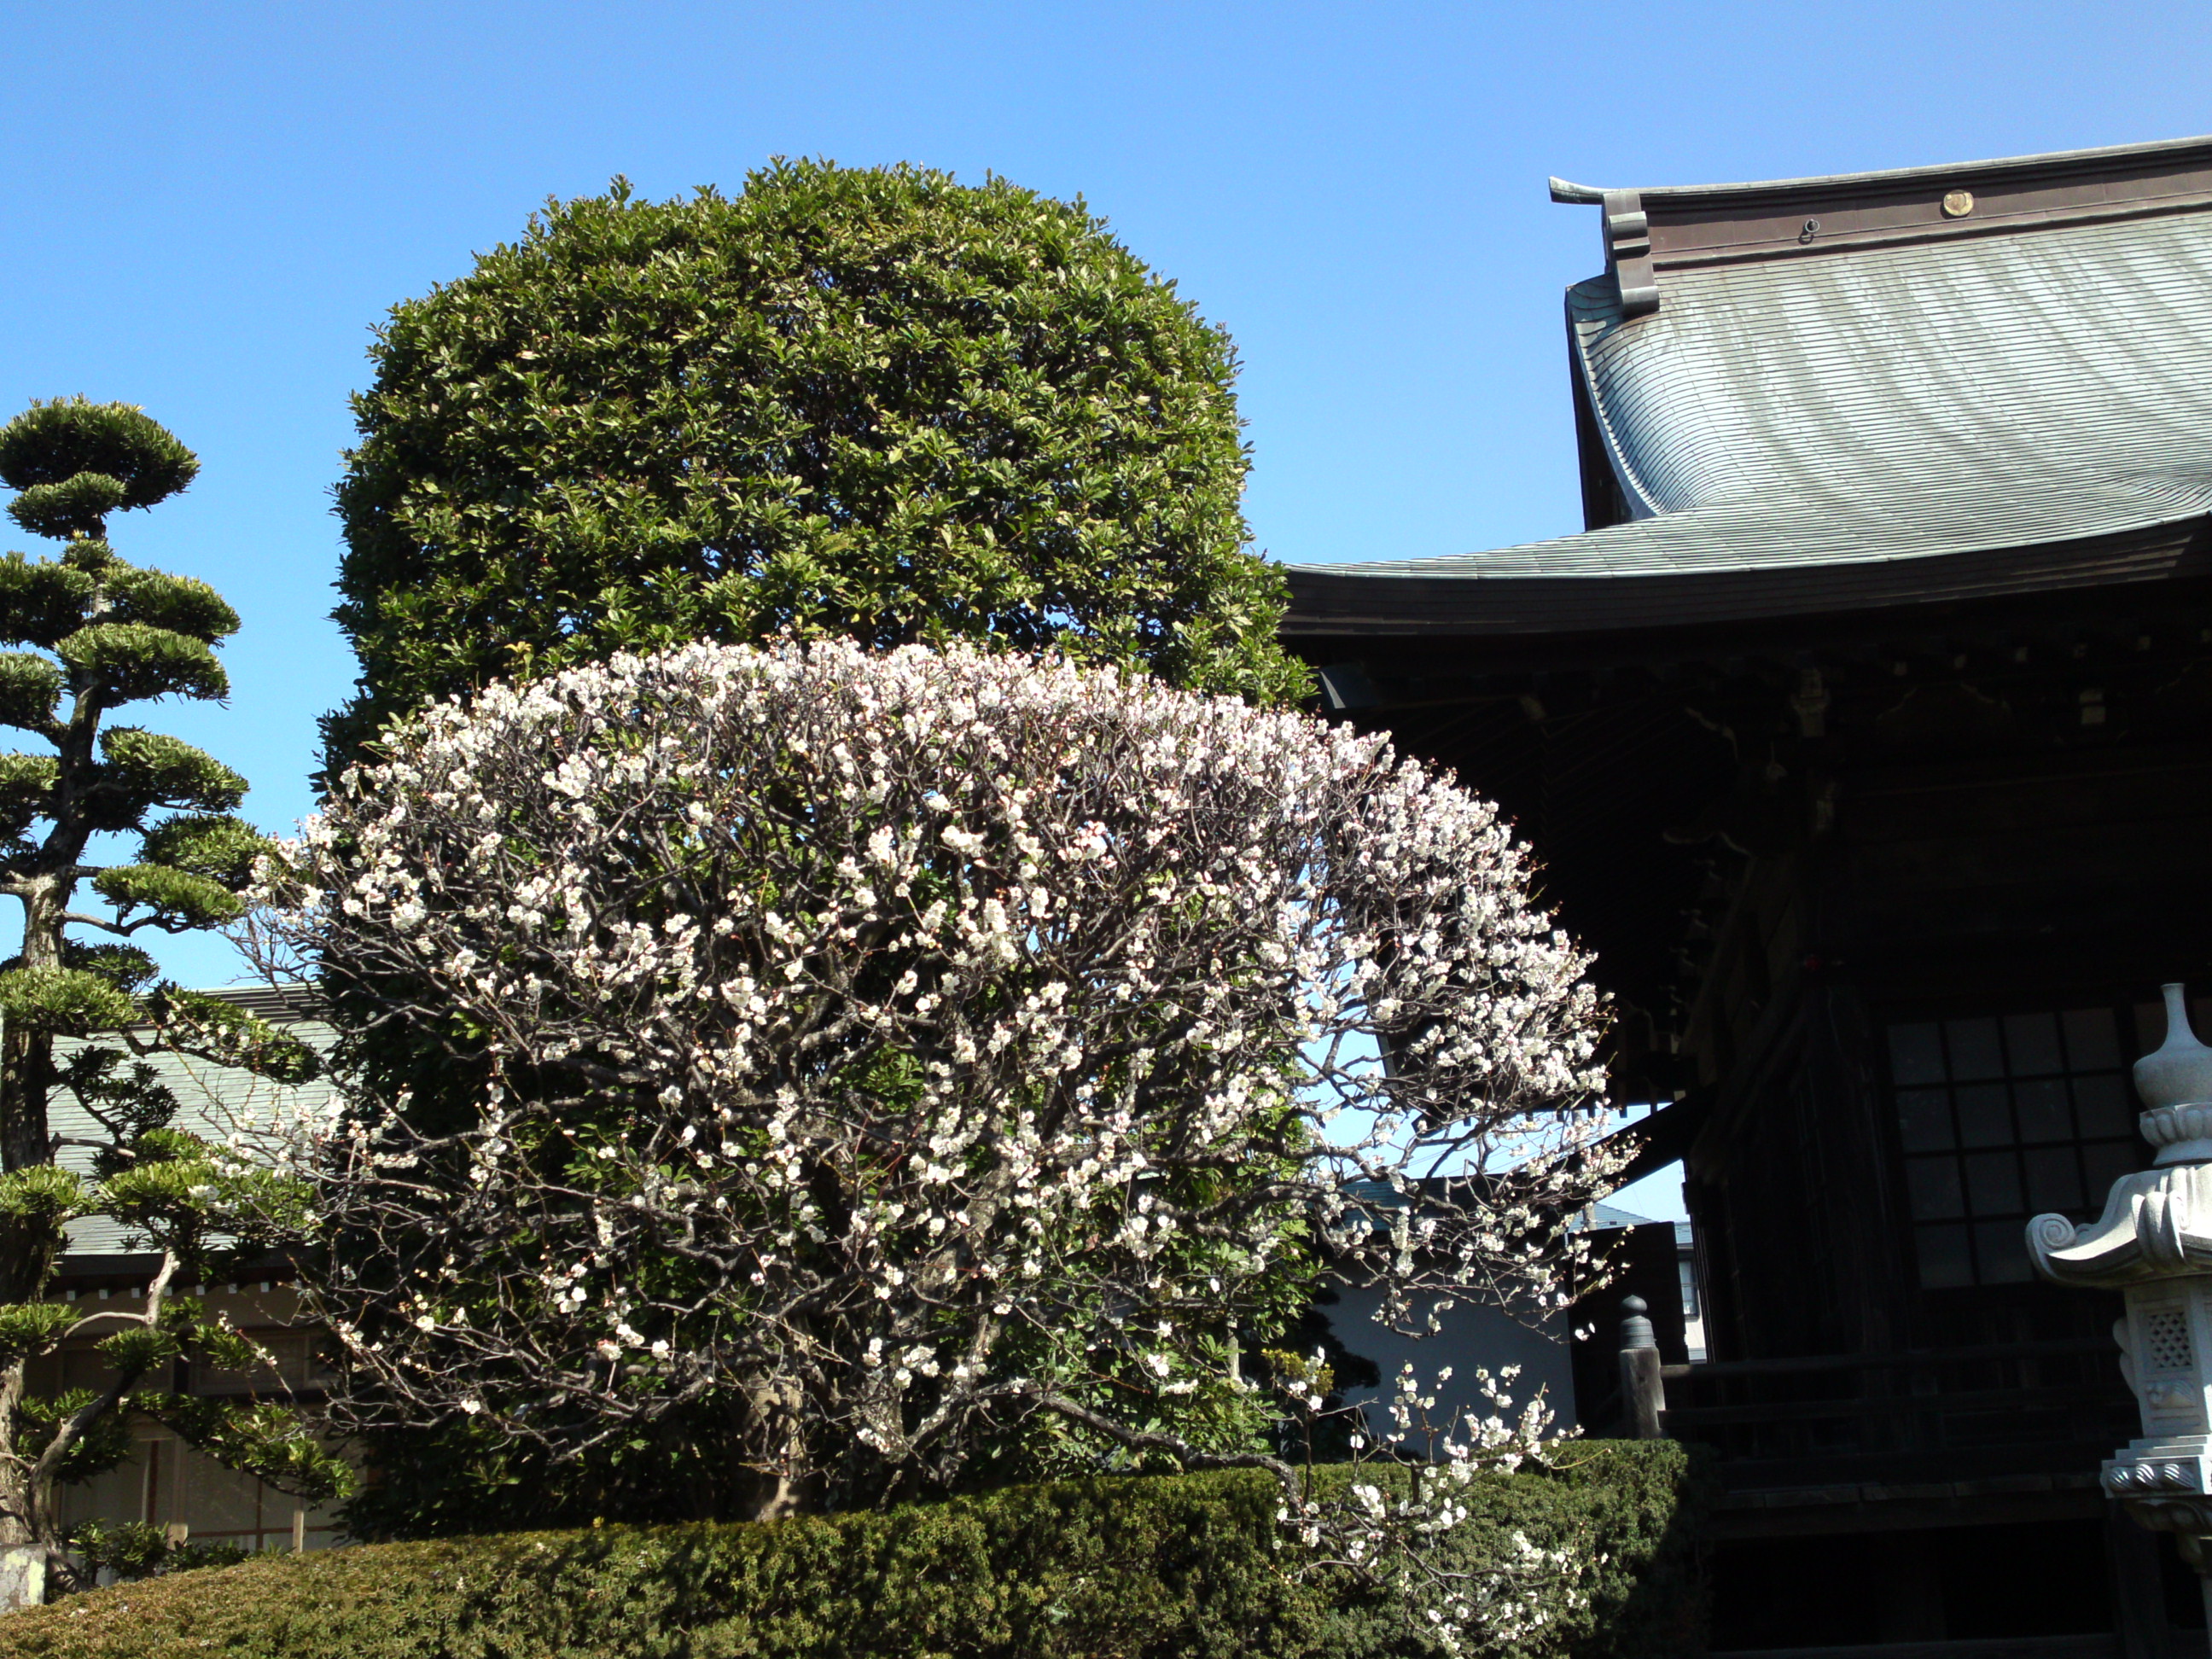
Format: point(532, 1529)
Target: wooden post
point(1643, 1390)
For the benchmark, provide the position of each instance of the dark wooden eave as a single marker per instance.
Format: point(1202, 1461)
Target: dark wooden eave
point(1643, 757)
point(1353, 605)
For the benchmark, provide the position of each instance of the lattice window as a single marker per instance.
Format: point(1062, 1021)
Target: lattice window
point(2165, 1340)
point(2005, 1116)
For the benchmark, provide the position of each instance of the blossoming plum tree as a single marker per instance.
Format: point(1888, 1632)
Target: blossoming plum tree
point(866, 1053)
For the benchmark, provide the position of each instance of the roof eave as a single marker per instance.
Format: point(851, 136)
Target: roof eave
point(2054, 163)
point(1419, 599)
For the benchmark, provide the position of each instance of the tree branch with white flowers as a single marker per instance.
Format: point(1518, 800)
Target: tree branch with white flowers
point(847, 1058)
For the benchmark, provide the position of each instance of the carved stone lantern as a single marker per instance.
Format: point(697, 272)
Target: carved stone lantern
point(2153, 1244)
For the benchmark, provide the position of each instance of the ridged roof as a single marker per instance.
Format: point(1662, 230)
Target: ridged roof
point(1874, 403)
point(212, 1100)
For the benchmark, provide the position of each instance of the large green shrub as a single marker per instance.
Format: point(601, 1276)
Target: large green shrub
point(865, 401)
point(1107, 1569)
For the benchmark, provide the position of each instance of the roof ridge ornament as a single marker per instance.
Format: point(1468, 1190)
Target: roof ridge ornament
point(1627, 230)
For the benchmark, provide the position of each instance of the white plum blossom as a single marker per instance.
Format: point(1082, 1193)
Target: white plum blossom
point(878, 1048)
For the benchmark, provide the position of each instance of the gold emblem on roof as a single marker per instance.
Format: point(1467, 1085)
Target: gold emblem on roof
point(1958, 205)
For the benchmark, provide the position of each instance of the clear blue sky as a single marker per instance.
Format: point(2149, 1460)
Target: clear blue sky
point(206, 209)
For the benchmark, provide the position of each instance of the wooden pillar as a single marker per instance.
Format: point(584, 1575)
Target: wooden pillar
point(1643, 1390)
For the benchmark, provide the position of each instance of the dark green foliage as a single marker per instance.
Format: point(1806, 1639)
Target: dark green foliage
point(40, 1195)
point(147, 770)
point(121, 635)
point(864, 401)
point(137, 662)
point(177, 604)
point(465, 1477)
point(1129, 1568)
point(126, 967)
point(51, 443)
point(178, 897)
point(221, 848)
point(27, 1330)
point(63, 1001)
point(30, 688)
point(41, 603)
point(138, 1549)
point(99, 1450)
point(75, 506)
point(26, 788)
point(265, 1440)
point(209, 1027)
point(124, 1093)
point(130, 1549)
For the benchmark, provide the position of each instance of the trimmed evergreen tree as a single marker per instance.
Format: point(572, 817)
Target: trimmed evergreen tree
point(867, 401)
point(81, 1018)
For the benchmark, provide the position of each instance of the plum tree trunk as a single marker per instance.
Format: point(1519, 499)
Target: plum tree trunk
point(774, 1482)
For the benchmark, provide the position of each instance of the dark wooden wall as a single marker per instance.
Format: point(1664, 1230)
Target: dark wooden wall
point(1945, 884)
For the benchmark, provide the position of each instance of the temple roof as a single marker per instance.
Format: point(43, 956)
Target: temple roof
point(1854, 391)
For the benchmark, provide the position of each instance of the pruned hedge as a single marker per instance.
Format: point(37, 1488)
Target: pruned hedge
point(1105, 1568)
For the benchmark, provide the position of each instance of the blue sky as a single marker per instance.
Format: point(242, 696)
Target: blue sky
point(207, 209)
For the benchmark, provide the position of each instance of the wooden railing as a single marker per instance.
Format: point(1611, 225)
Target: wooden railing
point(1985, 1408)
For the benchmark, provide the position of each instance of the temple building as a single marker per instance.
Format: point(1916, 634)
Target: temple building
point(164, 1482)
point(1863, 734)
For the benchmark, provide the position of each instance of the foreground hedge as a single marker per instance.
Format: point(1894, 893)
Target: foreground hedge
point(1105, 1568)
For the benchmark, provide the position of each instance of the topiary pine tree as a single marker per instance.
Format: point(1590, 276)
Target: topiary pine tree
point(861, 401)
point(103, 634)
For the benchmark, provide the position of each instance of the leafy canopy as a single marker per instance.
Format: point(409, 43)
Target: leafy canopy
point(75, 461)
point(866, 402)
point(82, 1020)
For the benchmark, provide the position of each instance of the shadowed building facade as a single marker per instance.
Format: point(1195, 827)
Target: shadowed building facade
point(1863, 732)
point(164, 1482)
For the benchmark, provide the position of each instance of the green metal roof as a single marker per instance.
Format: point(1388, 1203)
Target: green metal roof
point(213, 1100)
point(1866, 405)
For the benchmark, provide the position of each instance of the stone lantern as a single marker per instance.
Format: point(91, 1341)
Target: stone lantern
point(2153, 1244)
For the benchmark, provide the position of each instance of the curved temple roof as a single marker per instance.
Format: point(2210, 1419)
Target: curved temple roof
point(1898, 380)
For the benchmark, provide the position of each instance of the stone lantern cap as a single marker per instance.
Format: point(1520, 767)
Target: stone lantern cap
point(2157, 1224)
